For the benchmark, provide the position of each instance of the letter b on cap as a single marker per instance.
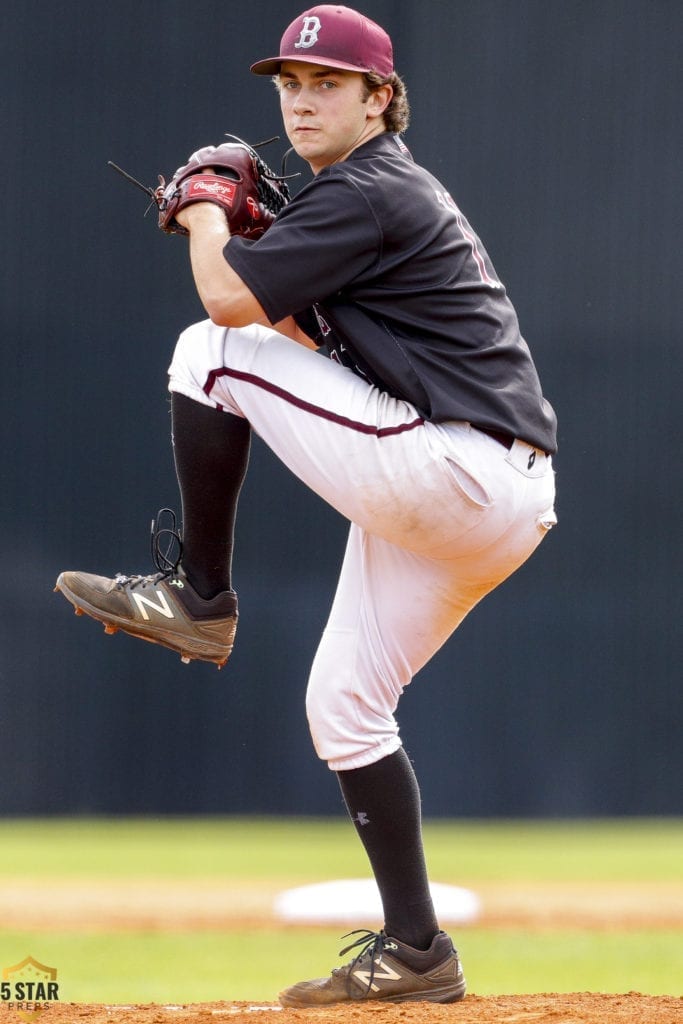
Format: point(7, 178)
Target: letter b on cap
point(309, 33)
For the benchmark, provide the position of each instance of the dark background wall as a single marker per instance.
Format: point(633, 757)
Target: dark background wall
point(557, 127)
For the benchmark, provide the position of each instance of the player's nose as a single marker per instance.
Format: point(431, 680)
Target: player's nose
point(303, 102)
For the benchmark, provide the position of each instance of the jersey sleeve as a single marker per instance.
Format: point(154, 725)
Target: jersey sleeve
point(325, 238)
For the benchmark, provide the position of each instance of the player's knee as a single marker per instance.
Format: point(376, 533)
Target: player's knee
point(188, 366)
point(346, 729)
point(325, 715)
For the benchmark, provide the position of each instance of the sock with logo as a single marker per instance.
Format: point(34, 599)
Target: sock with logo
point(383, 800)
point(211, 452)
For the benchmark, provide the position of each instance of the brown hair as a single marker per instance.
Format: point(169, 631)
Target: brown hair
point(397, 114)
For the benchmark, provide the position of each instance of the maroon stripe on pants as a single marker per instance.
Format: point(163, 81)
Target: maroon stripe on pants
point(300, 403)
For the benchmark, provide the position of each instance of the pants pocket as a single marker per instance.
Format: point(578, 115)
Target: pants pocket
point(470, 489)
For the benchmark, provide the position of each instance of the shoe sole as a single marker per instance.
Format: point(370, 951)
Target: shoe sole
point(439, 995)
point(189, 650)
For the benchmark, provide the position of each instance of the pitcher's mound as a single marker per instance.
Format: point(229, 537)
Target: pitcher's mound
point(565, 1008)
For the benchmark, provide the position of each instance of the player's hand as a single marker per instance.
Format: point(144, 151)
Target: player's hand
point(182, 217)
point(206, 214)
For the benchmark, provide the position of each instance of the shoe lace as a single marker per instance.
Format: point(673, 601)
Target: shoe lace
point(166, 542)
point(372, 943)
point(166, 548)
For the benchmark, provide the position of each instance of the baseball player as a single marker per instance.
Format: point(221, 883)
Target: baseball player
point(426, 428)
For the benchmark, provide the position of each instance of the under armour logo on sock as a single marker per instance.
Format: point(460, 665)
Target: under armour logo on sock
point(361, 818)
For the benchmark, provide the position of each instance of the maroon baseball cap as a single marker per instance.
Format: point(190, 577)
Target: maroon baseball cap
point(336, 37)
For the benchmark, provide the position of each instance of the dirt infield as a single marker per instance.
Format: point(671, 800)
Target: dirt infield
point(575, 1008)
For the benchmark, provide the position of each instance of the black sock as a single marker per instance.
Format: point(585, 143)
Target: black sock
point(383, 800)
point(211, 451)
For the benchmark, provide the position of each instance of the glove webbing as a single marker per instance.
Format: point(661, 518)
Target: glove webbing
point(272, 198)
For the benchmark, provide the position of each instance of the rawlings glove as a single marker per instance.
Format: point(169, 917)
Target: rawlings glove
point(234, 177)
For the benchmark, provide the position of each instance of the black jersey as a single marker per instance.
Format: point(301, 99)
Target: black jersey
point(376, 262)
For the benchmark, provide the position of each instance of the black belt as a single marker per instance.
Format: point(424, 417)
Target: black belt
point(507, 440)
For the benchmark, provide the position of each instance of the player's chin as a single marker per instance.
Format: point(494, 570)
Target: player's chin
point(312, 150)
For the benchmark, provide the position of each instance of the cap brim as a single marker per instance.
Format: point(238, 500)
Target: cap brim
point(271, 66)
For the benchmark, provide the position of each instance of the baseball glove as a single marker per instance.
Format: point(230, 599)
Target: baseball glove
point(234, 177)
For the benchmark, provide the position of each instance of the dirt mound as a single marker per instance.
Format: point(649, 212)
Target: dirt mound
point(573, 1008)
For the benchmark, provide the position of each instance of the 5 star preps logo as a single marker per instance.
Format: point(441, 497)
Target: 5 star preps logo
point(29, 988)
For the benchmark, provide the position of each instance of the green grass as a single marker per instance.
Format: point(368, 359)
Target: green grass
point(315, 849)
point(189, 966)
point(182, 967)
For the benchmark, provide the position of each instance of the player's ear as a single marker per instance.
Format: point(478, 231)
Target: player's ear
point(379, 99)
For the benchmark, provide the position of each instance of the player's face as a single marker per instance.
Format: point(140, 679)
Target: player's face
point(326, 112)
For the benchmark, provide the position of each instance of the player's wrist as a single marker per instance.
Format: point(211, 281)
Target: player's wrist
point(208, 217)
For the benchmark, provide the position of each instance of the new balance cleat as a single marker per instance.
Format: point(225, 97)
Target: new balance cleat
point(163, 608)
point(386, 970)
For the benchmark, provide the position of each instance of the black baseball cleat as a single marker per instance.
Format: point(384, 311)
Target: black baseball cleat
point(386, 970)
point(163, 608)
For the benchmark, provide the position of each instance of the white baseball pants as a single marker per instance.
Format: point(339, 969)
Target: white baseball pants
point(440, 515)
